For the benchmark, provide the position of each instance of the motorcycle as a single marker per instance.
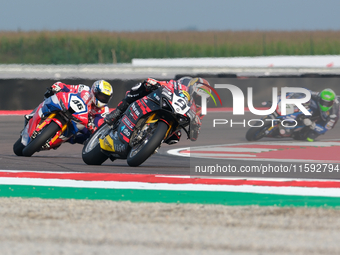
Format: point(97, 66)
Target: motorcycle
point(276, 125)
point(57, 119)
point(143, 127)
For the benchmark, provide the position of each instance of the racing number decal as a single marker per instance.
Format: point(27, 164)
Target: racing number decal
point(77, 104)
point(180, 105)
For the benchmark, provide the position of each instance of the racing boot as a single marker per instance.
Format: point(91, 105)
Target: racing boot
point(27, 118)
point(312, 135)
point(113, 116)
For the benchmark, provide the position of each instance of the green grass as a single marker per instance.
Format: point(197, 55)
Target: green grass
point(81, 47)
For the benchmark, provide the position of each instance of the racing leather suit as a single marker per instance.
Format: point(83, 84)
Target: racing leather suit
point(324, 121)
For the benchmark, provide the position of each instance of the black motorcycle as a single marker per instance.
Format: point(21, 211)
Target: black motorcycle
point(141, 130)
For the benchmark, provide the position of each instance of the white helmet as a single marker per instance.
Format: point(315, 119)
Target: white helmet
point(101, 93)
point(197, 88)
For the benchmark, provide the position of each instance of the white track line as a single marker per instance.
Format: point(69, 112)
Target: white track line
point(298, 191)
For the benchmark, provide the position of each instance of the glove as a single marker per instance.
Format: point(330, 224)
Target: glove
point(48, 93)
point(91, 127)
point(58, 86)
point(150, 83)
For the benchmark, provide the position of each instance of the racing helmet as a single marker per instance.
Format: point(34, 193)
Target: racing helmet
point(184, 80)
point(326, 99)
point(101, 93)
point(197, 88)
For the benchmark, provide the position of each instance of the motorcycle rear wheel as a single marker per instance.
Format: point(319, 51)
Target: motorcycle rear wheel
point(35, 145)
point(91, 153)
point(143, 150)
point(18, 147)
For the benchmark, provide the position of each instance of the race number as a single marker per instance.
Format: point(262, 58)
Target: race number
point(77, 104)
point(180, 105)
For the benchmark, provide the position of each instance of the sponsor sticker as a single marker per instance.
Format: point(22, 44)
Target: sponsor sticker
point(128, 123)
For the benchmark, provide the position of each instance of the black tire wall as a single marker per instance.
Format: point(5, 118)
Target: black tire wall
point(26, 94)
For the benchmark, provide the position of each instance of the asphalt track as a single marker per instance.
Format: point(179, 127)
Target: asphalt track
point(93, 227)
point(68, 157)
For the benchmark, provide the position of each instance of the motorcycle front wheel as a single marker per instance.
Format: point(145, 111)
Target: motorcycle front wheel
point(91, 153)
point(36, 144)
point(256, 133)
point(147, 144)
point(18, 147)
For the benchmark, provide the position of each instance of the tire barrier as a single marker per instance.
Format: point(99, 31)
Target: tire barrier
point(24, 94)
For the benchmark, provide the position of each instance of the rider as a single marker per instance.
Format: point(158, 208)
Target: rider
point(147, 86)
point(98, 96)
point(324, 107)
point(196, 88)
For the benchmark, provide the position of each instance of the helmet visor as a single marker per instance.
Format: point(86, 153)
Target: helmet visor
point(197, 99)
point(325, 105)
point(103, 98)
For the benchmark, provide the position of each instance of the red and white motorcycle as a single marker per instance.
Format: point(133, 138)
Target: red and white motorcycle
point(57, 119)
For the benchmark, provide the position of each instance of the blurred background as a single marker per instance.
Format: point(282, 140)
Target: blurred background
point(111, 35)
point(103, 31)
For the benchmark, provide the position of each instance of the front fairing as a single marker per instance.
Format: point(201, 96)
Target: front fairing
point(50, 105)
point(60, 102)
point(173, 106)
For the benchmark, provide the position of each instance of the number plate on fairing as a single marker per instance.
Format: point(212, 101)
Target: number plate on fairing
point(77, 104)
point(180, 104)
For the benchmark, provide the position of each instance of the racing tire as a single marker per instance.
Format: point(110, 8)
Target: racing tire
point(149, 146)
point(91, 153)
point(36, 144)
point(18, 147)
point(256, 133)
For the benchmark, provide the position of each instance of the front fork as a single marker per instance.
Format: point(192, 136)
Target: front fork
point(47, 121)
point(152, 119)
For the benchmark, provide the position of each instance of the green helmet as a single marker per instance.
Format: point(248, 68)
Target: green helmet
point(326, 99)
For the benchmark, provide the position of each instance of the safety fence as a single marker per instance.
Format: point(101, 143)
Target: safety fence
point(24, 94)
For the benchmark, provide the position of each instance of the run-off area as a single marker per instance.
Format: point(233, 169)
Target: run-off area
point(39, 226)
